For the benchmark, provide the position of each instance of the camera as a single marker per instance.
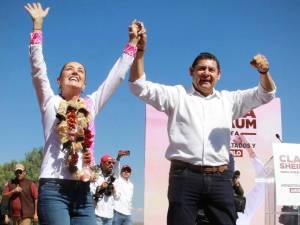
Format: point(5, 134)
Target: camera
point(124, 152)
point(110, 187)
point(106, 191)
point(98, 193)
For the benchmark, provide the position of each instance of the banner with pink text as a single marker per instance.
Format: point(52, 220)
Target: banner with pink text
point(259, 129)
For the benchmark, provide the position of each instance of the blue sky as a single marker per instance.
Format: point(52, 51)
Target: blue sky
point(94, 33)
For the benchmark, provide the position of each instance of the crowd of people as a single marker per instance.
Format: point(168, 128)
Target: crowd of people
point(110, 187)
point(199, 124)
point(113, 191)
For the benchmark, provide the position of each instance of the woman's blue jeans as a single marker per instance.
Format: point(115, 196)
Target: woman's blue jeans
point(65, 202)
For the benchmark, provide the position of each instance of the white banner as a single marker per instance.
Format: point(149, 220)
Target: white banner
point(287, 173)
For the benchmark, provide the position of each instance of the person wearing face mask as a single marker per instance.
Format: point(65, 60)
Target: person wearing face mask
point(199, 124)
point(21, 194)
point(68, 124)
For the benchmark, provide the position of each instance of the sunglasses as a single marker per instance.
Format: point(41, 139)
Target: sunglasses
point(110, 162)
point(17, 172)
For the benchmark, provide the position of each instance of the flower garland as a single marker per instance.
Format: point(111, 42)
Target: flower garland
point(73, 132)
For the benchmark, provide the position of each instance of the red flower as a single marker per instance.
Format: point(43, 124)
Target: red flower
point(88, 138)
point(71, 119)
point(73, 158)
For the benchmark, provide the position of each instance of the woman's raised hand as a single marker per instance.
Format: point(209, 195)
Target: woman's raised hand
point(136, 31)
point(37, 14)
point(133, 30)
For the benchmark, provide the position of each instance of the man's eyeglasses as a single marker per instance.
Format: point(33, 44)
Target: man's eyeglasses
point(110, 162)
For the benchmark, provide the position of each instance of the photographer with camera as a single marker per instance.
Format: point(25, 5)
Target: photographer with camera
point(104, 192)
point(103, 189)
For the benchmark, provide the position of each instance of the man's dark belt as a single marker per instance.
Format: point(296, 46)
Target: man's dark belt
point(198, 168)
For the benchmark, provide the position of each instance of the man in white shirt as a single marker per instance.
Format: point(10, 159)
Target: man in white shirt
point(199, 124)
point(104, 191)
point(123, 204)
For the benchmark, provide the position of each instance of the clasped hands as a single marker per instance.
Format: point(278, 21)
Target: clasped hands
point(137, 34)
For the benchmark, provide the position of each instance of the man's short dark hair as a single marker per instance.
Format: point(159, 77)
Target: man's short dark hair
point(206, 55)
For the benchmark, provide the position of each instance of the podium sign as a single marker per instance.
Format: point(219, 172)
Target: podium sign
point(287, 173)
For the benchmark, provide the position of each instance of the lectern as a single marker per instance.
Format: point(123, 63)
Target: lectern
point(284, 156)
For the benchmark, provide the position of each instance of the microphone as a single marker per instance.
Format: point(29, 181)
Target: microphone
point(237, 173)
point(278, 137)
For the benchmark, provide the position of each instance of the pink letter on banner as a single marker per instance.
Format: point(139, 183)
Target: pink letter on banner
point(259, 127)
